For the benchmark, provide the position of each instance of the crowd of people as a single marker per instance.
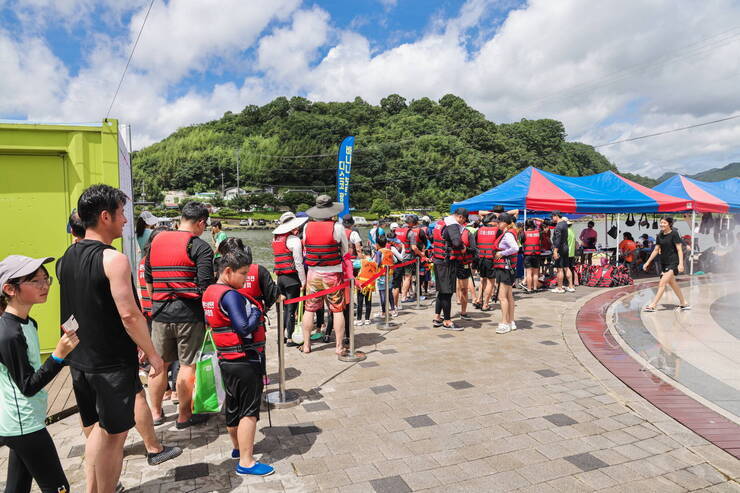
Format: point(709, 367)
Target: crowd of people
point(114, 327)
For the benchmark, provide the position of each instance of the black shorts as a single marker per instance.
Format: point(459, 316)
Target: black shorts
point(531, 261)
point(505, 276)
point(571, 262)
point(666, 268)
point(463, 272)
point(243, 385)
point(397, 278)
point(485, 268)
point(445, 277)
point(107, 398)
point(409, 270)
point(562, 262)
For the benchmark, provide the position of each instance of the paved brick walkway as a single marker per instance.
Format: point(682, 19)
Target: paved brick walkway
point(531, 410)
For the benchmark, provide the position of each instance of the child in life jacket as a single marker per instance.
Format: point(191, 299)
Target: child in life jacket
point(237, 323)
point(386, 256)
point(368, 268)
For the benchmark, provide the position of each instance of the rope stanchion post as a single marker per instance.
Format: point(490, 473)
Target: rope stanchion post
point(387, 324)
point(352, 356)
point(417, 289)
point(281, 398)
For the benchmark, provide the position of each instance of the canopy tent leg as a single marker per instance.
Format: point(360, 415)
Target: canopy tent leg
point(606, 232)
point(525, 216)
point(693, 239)
point(616, 251)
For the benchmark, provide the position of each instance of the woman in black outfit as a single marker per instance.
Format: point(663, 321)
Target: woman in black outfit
point(670, 248)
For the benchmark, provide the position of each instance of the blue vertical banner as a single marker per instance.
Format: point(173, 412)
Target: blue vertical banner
point(344, 167)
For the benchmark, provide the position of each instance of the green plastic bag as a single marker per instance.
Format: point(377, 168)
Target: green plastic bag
point(208, 394)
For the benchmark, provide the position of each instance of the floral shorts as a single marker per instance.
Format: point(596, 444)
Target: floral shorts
point(318, 281)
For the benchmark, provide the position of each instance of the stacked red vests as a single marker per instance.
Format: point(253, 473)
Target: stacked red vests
point(173, 271)
point(284, 263)
point(500, 263)
point(320, 246)
point(486, 241)
point(146, 300)
point(229, 344)
point(531, 244)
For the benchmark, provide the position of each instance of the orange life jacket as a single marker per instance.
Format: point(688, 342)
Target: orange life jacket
point(368, 268)
point(173, 271)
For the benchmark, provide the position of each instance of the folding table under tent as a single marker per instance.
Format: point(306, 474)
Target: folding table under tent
point(721, 197)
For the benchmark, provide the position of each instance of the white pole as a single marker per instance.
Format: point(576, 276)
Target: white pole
point(606, 232)
point(693, 239)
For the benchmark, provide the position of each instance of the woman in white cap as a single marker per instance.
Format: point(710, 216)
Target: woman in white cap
point(291, 275)
point(25, 282)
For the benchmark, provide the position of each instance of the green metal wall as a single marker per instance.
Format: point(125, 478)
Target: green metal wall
point(43, 171)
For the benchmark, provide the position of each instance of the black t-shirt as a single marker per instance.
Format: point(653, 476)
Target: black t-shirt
point(186, 310)
point(560, 238)
point(85, 293)
point(668, 248)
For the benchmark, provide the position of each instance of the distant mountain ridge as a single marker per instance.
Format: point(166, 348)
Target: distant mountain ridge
point(732, 170)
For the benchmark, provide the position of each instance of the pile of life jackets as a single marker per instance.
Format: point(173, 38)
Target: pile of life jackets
point(605, 276)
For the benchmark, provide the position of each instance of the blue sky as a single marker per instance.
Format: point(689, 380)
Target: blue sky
point(607, 73)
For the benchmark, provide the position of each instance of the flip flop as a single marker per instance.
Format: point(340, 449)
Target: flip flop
point(649, 309)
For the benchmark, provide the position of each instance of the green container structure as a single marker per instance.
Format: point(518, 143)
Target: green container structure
point(43, 170)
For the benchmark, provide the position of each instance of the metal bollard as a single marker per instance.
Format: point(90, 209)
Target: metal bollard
point(387, 324)
point(281, 398)
point(417, 290)
point(352, 356)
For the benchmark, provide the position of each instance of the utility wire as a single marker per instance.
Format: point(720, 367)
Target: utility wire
point(130, 56)
point(667, 131)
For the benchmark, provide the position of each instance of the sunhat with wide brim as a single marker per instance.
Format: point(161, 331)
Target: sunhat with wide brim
point(288, 222)
point(15, 266)
point(150, 219)
point(325, 208)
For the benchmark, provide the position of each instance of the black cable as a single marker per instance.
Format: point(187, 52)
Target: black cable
point(130, 56)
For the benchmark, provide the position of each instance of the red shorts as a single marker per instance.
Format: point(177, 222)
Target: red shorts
point(318, 281)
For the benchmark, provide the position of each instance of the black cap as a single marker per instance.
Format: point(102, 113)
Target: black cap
point(412, 218)
point(498, 208)
point(461, 211)
point(556, 213)
point(348, 219)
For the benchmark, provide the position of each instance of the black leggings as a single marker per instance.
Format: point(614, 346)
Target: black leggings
point(291, 310)
point(444, 305)
point(34, 457)
point(367, 300)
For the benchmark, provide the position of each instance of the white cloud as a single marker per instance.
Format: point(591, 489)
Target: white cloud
point(183, 35)
point(286, 53)
point(608, 71)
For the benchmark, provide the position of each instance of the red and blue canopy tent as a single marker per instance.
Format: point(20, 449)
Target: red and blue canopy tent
point(605, 193)
point(722, 197)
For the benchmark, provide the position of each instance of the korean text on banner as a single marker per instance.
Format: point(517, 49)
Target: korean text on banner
point(343, 173)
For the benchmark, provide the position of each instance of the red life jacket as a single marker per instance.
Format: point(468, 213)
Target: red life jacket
point(607, 277)
point(229, 344)
point(439, 248)
point(531, 242)
point(402, 234)
point(466, 258)
point(173, 271)
point(252, 286)
point(146, 300)
point(486, 241)
point(500, 263)
point(320, 245)
point(284, 263)
point(352, 248)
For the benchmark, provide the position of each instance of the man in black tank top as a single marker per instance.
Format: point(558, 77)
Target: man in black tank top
point(97, 288)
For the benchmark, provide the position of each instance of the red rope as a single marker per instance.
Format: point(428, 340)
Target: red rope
point(317, 294)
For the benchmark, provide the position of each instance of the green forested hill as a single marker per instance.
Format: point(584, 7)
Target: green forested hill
point(732, 170)
point(418, 153)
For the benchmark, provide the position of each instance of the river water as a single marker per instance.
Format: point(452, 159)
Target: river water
point(260, 240)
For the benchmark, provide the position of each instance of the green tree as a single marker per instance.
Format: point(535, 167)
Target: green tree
point(381, 207)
